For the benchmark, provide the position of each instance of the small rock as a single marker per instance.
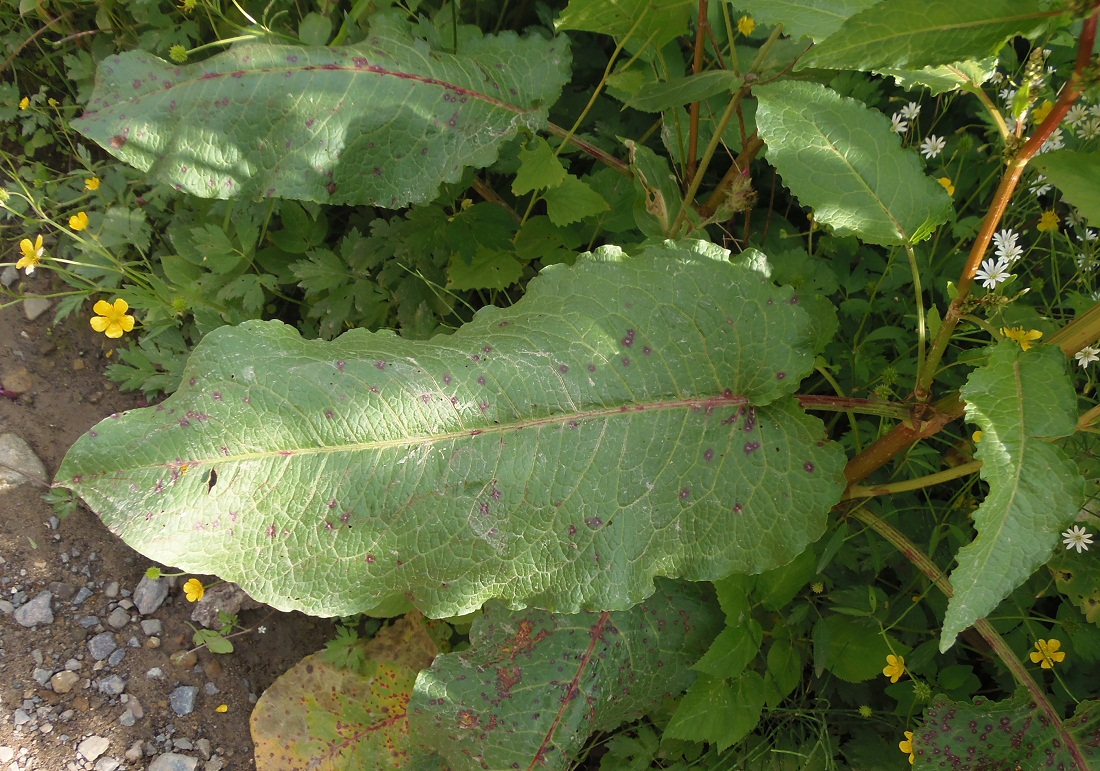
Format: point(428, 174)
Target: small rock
point(8, 277)
point(182, 744)
point(135, 752)
point(17, 454)
point(88, 621)
point(111, 590)
point(33, 307)
point(20, 717)
point(62, 590)
point(224, 597)
point(171, 761)
point(134, 706)
point(184, 659)
point(152, 626)
point(17, 381)
point(118, 618)
point(205, 748)
point(37, 611)
point(94, 746)
point(46, 728)
point(102, 645)
point(112, 686)
point(210, 689)
point(107, 764)
point(42, 676)
point(214, 764)
point(182, 699)
point(156, 673)
point(65, 681)
point(78, 365)
point(116, 658)
point(127, 718)
point(82, 595)
point(6, 607)
point(149, 594)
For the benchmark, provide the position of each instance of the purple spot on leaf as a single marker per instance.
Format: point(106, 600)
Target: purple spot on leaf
point(685, 493)
point(751, 447)
point(481, 380)
point(380, 364)
point(341, 364)
point(780, 375)
point(591, 367)
point(626, 362)
point(708, 456)
point(808, 466)
point(271, 531)
point(563, 368)
point(738, 508)
point(370, 559)
point(594, 522)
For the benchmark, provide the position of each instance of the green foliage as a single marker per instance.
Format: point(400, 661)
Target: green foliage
point(322, 463)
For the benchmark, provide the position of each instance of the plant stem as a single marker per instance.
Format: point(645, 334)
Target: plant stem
point(997, 644)
point(853, 404)
point(962, 470)
point(696, 68)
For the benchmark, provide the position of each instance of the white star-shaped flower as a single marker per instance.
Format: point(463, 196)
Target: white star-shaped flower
point(910, 111)
point(992, 273)
point(932, 146)
point(1087, 355)
point(1077, 538)
point(897, 124)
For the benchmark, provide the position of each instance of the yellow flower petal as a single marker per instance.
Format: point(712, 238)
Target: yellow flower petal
point(1049, 221)
point(221, 708)
point(745, 25)
point(194, 590)
point(24, 103)
point(92, 184)
point(78, 221)
point(99, 323)
point(946, 182)
point(895, 667)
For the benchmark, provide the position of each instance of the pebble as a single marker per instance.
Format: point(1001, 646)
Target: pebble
point(182, 699)
point(33, 307)
point(150, 594)
point(210, 689)
point(88, 621)
point(127, 718)
point(205, 748)
point(133, 705)
point(116, 658)
point(94, 746)
point(17, 381)
point(65, 681)
point(170, 761)
point(214, 764)
point(118, 618)
point(156, 673)
point(112, 686)
point(152, 626)
point(37, 611)
point(42, 676)
point(62, 590)
point(20, 717)
point(135, 752)
point(6, 607)
point(8, 277)
point(107, 764)
point(82, 595)
point(17, 454)
point(102, 645)
point(111, 590)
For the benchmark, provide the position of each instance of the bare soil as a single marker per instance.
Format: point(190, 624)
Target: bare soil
point(68, 394)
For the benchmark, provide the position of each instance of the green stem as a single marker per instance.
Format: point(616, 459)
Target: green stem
point(962, 470)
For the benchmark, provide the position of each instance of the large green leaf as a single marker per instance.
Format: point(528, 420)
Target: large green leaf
point(816, 19)
point(626, 419)
point(533, 685)
point(383, 123)
point(1019, 398)
point(907, 34)
point(1007, 734)
point(1074, 173)
point(966, 75)
point(842, 159)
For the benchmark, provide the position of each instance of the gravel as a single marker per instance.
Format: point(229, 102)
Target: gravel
point(182, 699)
point(102, 645)
point(36, 612)
point(173, 762)
point(150, 594)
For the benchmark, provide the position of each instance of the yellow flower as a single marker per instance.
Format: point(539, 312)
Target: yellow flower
point(112, 320)
point(194, 589)
point(977, 437)
point(92, 184)
point(178, 54)
point(946, 182)
point(895, 667)
point(24, 103)
point(1049, 221)
point(32, 255)
point(1042, 111)
point(907, 746)
point(188, 5)
point(1047, 654)
point(221, 708)
point(79, 221)
point(1022, 336)
point(745, 25)
point(52, 102)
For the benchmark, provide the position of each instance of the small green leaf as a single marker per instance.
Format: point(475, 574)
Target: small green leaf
point(719, 711)
point(676, 92)
point(1077, 577)
point(905, 34)
point(842, 159)
point(1020, 399)
point(572, 201)
point(315, 29)
point(854, 649)
point(784, 671)
point(816, 19)
point(966, 75)
point(735, 647)
point(1074, 172)
point(489, 270)
point(214, 640)
point(538, 168)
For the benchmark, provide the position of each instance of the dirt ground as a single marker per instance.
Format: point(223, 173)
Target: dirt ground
point(67, 395)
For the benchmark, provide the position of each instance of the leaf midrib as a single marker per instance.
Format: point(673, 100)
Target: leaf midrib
point(422, 439)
